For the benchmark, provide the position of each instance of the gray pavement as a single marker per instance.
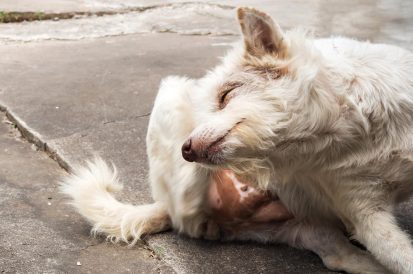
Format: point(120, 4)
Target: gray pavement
point(78, 88)
point(75, 5)
point(378, 21)
point(40, 233)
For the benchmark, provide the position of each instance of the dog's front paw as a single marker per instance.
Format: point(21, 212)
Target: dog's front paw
point(357, 262)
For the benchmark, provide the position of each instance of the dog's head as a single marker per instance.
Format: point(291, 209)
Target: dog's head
point(241, 105)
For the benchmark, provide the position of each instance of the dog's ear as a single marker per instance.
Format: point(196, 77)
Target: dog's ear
point(261, 34)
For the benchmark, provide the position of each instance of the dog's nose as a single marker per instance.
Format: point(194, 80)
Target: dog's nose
point(187, 152)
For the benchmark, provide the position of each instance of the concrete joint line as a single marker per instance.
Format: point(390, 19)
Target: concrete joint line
point(35, 138)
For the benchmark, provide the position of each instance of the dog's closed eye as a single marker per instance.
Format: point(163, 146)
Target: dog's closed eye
point(224, 94)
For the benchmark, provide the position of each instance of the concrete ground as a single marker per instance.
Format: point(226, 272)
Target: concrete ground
point(40, 233)
point(86, 85)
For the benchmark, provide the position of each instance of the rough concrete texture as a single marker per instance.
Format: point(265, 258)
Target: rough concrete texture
point(108, 79)
point(172, 18)
point(375, 20)
point(85, 96)
point(40, 233)
point(75, 5)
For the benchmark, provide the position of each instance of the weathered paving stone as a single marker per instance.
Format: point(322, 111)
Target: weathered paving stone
point(40, 233)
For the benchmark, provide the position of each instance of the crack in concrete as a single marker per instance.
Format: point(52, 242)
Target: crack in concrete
point(35, 138)
point(127, 119)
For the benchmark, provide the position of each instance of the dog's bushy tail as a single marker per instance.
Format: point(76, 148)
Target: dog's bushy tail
point(91, 189)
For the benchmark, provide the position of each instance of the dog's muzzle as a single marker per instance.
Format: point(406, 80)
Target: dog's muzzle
point(202, 151)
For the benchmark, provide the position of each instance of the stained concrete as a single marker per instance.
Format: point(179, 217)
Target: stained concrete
point(86, 96)
point(375, 20)
point(40, 232)
point(73, 5)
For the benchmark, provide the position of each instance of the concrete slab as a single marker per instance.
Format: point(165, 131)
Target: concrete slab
point(73, 5)
point(105, 80)
point(197, 256)
point(122, 142)
point(83, 5)
point(41, 5)
point(205, 19)
point(40, 233)
point(375, 20)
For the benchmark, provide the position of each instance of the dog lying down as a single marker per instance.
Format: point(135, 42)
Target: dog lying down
point(326, 125)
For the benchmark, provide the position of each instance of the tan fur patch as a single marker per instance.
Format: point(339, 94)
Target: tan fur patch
point(270, 72)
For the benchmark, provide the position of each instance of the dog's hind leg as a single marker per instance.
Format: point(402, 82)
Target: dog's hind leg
point(381, 235)
point(329, 243)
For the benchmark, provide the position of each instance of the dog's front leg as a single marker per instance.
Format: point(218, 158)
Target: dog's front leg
point(381, 235)
point(335, 250)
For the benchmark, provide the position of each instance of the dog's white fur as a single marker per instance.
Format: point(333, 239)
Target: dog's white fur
point(326, 124)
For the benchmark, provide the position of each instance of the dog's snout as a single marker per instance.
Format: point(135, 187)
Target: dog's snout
point(188, 152)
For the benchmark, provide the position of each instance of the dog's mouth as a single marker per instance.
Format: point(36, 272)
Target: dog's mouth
point(213, 154)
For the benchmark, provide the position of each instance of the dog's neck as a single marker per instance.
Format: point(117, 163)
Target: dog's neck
point(324, 120)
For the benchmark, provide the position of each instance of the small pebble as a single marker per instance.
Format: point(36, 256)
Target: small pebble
point(49, 203)
point(78, 263)
point(57, 107)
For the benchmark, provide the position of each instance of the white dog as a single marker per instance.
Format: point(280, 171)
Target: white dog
point(325, 124)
